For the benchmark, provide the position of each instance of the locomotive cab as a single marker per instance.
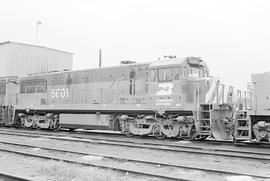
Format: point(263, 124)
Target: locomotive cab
point(175, 82)
point(177, 88)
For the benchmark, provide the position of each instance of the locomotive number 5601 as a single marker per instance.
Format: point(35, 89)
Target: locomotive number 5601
point(56, 93)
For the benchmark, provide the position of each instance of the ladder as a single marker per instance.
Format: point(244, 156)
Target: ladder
point(6, 115)
point(214, 121)
point(205, 119)
point(1, 115)
point(242, 126)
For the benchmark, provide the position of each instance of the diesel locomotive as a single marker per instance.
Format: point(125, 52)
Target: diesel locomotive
point(252, 122)
point(173, 97)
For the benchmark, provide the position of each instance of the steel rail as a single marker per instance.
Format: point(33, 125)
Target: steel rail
point(182, 166)
point(100, 166)
point(262, 145)
point(117, 135)
point(10, 177)
point(164, 147)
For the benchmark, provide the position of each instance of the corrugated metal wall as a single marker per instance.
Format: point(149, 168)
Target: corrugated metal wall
point(3, 60)
point(18, 59)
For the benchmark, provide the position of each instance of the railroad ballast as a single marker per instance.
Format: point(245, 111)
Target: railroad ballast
point(174, 97)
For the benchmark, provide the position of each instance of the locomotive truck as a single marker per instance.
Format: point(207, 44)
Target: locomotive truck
point(173, 97)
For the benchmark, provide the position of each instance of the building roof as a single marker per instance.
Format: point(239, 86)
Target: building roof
point(11, 42)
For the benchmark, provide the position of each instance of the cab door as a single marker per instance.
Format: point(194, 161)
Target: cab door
point(132, 78)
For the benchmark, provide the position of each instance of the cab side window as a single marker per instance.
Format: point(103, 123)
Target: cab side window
point(2, 87)
point(165, 74)
point(33, 86)
point(153, 75)
point(168, 74)
point(196, 72)
point(186, 72)
point(177, 73)
point(161, 74)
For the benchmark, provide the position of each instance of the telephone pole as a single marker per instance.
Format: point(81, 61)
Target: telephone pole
point(100, 58)
point(38, 23)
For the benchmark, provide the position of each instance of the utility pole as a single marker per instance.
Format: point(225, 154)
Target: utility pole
point(100, 58)
point(38, 23)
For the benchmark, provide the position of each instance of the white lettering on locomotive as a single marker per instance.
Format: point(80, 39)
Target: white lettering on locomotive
point(166, 89)
point(163, 102)
point(62, 93)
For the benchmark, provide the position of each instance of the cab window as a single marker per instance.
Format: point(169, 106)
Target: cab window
point(153, 75)
point(2, 87)
point(33, 86)
point(177, 73)
point(165, 74)
point(196, 72)
point(186, 72)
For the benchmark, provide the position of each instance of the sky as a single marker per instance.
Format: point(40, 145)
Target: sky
point(231, 36)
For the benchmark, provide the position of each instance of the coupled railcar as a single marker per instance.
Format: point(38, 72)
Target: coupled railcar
point(8, 91)
point(174, 97)
point(252, 122)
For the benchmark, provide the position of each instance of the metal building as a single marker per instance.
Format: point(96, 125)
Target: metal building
point(19, 59)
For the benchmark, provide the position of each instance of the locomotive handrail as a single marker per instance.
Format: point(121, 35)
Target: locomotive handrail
point(219, 93)
point(245, 101)
point(210, 95)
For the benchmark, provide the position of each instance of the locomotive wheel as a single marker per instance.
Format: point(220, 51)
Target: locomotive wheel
point(28, 123)
point(125, 128)
point(57, 126)
point(158, 133)
point(127, 131)
point(128, 134)
point(160, 136)
point(192, 134)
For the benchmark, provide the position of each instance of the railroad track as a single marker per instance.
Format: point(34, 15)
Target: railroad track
point(192, 150)
point(117, 134)
point(253, 144)
point(208, 141)
point(78, 133)
point(10, 177)
point(199, 149)
point(115, 167)
point(101, 166)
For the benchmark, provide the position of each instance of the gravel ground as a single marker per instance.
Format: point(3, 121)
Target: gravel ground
point(41, 170)
point(204, 161)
